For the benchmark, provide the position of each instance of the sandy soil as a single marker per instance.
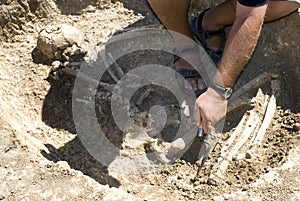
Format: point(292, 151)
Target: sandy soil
point(42, 157)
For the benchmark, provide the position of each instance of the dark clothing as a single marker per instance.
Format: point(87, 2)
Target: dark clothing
point(253, 3)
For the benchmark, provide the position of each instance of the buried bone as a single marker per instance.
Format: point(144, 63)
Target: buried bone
point(248, 135)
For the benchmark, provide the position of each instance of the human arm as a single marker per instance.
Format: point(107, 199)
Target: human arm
point(240, 44)
point(211, 107)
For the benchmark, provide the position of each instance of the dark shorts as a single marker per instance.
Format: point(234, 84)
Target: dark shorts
point(255, 3)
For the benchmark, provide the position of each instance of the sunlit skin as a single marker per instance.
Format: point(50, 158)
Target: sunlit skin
point(246, 23)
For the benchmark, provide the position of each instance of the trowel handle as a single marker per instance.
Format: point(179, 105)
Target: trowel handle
point(200, 132)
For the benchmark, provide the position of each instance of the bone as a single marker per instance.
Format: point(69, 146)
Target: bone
point(254, 83)
point(107, 63)
point(241, 139)
point(238, 103)
point(112, 74)
point(271, 109)
point(250, 127)
point(144, 96)
point(229, 142)
point(118, 68)
point(87, 79)
point(221, 167)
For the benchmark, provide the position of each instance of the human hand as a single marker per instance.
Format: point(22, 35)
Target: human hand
point(210, 107)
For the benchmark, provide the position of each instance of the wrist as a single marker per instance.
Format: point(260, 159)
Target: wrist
point(224, 92)
point(214, 94)
point(222, 79)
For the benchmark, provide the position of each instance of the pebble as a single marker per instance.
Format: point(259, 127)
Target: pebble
point(202, 181)
point(55, 65)
point(248, 155)
point(2, 197)
point(226, 196)
point(245, 188)
point(212, 182)
point(296, 127)
point(286, 112)
point(218, 198)
point(192, 197)
point(251, 179)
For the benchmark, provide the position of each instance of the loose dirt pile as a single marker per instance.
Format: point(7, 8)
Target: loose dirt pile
point(42, 156)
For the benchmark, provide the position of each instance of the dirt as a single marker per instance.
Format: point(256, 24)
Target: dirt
point(42, 156)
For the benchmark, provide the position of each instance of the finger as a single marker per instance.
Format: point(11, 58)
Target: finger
point(197, 116)
point(207, 125)
point(204, 125)
point(204, 122)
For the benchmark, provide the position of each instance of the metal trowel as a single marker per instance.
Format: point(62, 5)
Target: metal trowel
point(209, 142)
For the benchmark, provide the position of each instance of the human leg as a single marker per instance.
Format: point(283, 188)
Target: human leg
point(223, 15)
point(174, 16)
point(279, 9)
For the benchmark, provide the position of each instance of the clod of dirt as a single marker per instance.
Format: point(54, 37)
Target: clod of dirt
point(60, 41)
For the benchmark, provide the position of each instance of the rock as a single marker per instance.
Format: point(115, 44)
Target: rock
point(296, 127)
point(245, 188)
point(54, 40)
point(248, 155)
point(212, 182)
point(55, 65)
point(286, 112)
point(218, 198)
point(43, 8)
point(177, 145)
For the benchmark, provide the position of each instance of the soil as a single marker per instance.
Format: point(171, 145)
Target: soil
point(42, 157)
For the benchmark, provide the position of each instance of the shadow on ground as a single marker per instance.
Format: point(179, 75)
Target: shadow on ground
point(57, 108)
point(75, 154)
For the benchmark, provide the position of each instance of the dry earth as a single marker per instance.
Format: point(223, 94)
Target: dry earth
point(42, 157)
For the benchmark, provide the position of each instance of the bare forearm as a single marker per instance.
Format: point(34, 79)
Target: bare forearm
point(240, 43)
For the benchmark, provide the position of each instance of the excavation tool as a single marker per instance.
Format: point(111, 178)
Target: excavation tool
point(209, 142)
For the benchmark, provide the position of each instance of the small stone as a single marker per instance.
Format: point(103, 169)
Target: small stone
point(296, 127)
point(227, 196)
point(192, 196)
point(202, 181)
point(291, 122)
point(245, 188)
point(248, 155)
point(55, 65)
point(177, 145)
point(251, 179)
point(286, 112)
point(2, 197)
point(218, 198)
point(212, 182)
point(179, 176)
